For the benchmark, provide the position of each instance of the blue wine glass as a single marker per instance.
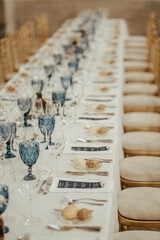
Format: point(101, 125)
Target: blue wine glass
point(57, 58)
point(49, 69)
point(73, 67)
point(38, 83)
point(8, 133)
point(78, 54)
point(66, 81)
point(4, 198)
point(46, 124)
point(25, 106)
point(59, 97)
point(29, 152)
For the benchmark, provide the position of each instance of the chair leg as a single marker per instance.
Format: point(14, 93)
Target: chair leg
point(124, 227)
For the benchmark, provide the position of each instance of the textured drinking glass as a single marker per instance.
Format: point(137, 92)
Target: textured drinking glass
point(25, 106)
point(8, 133)
point(78, 54)
point(59, 96)
point(73, 67)
point(49, 69)
point(57, 58)
point(39, 84)
point(4, 198)
point(29, 152)
point(46, 124)
point(66, 82)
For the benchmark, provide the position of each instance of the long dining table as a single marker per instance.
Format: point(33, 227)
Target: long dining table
point(100, 78)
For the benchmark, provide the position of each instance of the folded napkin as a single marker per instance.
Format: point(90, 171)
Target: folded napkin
point(91, 148)
point(81, 184)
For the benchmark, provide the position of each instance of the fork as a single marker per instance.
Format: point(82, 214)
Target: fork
point(66, 228)
point(70, 200)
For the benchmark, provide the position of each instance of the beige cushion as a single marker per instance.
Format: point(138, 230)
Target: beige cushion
point(141, 119)
point(140, 88)
point(139, 76)
point(141, 101)
point(141, 141)
point(137, 50)
point(136, 38)
point(137, 235)
point(135, 65)
point(140, 168)
point(136, 44)
point(135, 56)
point(141, 203)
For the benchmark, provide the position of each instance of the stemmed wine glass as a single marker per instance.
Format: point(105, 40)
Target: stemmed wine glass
point(4, 198)
point(8, 133)
point(73, 67)
point(25, 104)
point(57, 58)
point(58, 97)
point(29, 152)
point(37, 85)
point(78, 54)
point(46, 124)
point(67, 118)
point(57, 149)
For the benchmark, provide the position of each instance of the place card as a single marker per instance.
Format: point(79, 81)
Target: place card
point(80, 184)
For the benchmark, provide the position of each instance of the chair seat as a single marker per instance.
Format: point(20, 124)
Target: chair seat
point(141, 203)
point(136, 44)
point(136, 38)
point(139, 88)
point(138, 65)
point(135, 56)
point(141, 101)
point(140, 168)
point(139, 76)
point(137, 235)
point(141, 120)
point(136, 50)
point(141, 141)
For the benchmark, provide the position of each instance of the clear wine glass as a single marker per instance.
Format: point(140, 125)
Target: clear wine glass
point(4, 198)
point(25, 105)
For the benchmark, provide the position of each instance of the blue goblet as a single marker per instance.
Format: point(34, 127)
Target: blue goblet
point(73, 67)
point(59, 97)
point(8, 132)
point(38, 83)
point(49, 69)
point(29, 152)
point(25, 106)
point(46, 124)
point(4, 198)
point(66, 81)
point(78, 53)
point(57, 58)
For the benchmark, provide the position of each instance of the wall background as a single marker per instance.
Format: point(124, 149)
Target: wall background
point(18, 11)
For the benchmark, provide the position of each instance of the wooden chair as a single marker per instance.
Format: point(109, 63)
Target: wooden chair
point(42, 29)
point(137, 235)
point(6, 59)
point(140, 171)
point(139, 208)
point(32, 37)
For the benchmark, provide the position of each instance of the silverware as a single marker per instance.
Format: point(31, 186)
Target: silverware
point(101, 160)
point(93, 118)
point(48, 184)
point(97, 140)
point(90, 203)
point(99, 100)
point(101, 113)
point(100, 173)
point(41, 186)
point(101, 96)
point(103, 126)
point(70, 200)
point(66, 228)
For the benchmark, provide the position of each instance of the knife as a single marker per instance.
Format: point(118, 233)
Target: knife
point(111, 114)
point(99, 100)
point(92, 95)
point(96, 119)
point(101, 173)
point(90, 149)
